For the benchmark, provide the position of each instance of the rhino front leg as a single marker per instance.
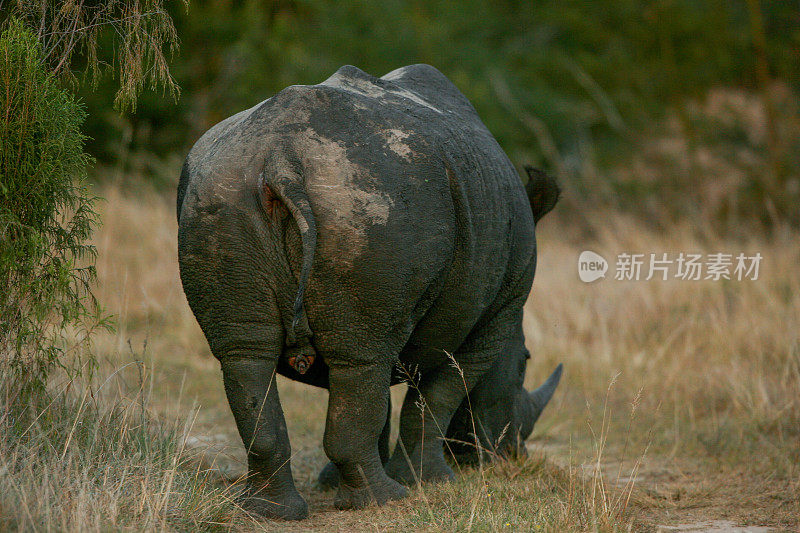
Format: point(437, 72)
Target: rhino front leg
point(357, 407)
point(419, 454)
point(253, 396)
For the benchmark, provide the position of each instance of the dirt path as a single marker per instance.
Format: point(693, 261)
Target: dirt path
point(668, 495)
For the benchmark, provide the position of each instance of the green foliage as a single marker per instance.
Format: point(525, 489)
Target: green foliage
point(574, 87)
point(46, 214)
point(133, 35)
point(586, 70)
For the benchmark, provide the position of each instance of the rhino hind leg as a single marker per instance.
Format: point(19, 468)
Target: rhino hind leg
point(357, 407)
point(329, 475)
point(253, 396)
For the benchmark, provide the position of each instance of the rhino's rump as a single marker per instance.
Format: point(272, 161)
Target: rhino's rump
point(422, 221)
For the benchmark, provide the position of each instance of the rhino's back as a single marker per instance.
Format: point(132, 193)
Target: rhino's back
point(405, 155)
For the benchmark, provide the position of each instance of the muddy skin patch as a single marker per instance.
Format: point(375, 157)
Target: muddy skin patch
point(339, 189)
point(395, 140)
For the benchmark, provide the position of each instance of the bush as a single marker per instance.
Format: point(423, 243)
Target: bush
point(46, 215)
point(46, 210)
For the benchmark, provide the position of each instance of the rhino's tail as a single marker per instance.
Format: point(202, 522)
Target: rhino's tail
point(290, 190)
point(543, 192)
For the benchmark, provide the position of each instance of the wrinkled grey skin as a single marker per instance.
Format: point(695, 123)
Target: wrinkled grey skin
point(366, 227)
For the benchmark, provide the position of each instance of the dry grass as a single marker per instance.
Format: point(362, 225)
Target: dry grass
point(707, 374)
point(716, 365)
point(718, 361)
point(94, 458)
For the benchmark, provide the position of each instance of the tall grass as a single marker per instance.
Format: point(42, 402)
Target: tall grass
point(718, 362)
point(528, 491)
point(96, 458)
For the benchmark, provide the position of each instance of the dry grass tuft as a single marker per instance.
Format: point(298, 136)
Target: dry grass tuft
point(96, 458)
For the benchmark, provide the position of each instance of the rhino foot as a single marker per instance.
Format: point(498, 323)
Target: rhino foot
point(289, 506)
point(429, 471)
point(359, 497)
point(329, 476)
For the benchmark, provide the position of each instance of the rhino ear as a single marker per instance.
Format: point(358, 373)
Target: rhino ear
point(543, 192)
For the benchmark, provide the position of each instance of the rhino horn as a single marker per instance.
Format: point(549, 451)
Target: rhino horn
point(542, 395)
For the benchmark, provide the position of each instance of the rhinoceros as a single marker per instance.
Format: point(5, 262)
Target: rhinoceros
point(352, 235)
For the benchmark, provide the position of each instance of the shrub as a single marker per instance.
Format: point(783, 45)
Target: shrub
point(46, 215)
point(46, 210)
